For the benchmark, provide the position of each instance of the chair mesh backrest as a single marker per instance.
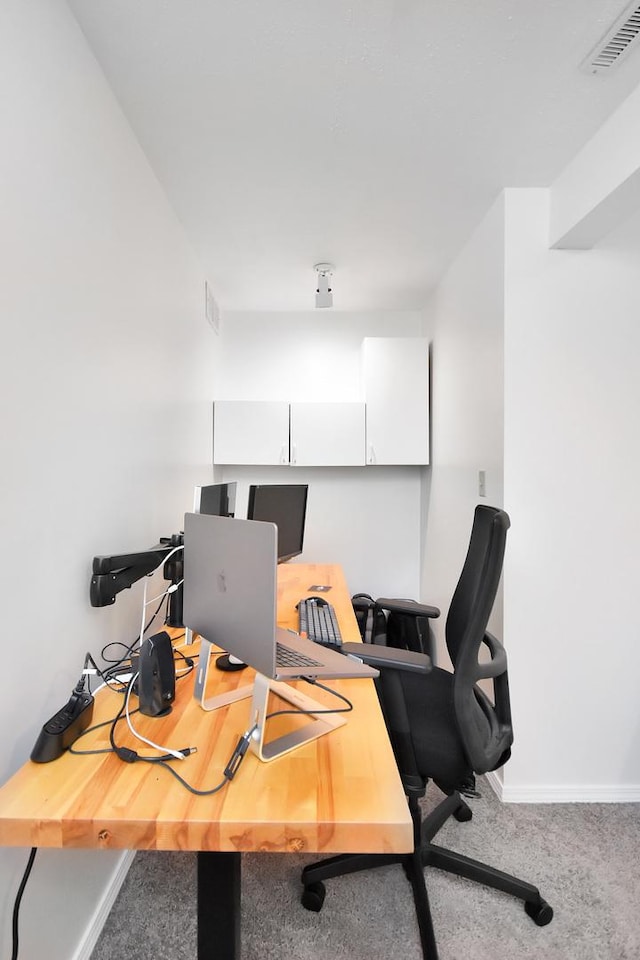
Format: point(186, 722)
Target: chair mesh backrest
point(475, 593)
point(484, 725)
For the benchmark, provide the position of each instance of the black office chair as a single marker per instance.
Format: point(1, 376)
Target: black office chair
point(444, 728)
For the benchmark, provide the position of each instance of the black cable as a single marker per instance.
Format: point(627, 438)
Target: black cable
point(190, 661)
point(312, 713)
point(114, 746)
point(16, 906)
point(109, 676)
point(129, 649)
point(96, 726)
point(200, 793)
point(131, 756)
point(106, 677)
point(116, 666)
point(89, 753)
point(117, 643)
point(229, 771)
point(127, 755)
point(316, 683)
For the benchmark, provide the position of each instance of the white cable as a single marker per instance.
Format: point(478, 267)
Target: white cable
point(120, 679)
point(145, 602)
point(168, 557)
point(113, 683)
point(144, 611)
point(165, 593)
point(187, 639)
point(138, 736)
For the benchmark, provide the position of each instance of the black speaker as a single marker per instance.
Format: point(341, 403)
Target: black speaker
point(157, 676)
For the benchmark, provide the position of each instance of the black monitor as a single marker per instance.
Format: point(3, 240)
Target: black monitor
point(216, 499)
point(284, 504)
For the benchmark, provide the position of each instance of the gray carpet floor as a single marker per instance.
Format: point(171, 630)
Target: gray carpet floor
point(585, 858)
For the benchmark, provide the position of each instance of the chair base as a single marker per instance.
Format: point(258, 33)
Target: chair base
point(425, 853)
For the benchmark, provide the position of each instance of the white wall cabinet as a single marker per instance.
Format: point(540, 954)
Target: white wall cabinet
point(301, 434)
point(250, 432)
point(327, 434)
point(395, 377)
point(390, 428)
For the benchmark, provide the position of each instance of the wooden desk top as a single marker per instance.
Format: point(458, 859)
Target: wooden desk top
point(340, 793)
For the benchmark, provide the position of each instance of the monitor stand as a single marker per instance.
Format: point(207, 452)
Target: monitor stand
point(259, 691)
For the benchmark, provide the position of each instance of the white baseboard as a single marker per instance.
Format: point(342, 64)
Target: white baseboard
point(100, 914)
point(564, 793)
point(495, 783)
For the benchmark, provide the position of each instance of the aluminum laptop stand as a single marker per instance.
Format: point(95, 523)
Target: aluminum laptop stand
point(259, 691)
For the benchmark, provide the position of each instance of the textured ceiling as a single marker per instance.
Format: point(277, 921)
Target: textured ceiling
point(373, 134)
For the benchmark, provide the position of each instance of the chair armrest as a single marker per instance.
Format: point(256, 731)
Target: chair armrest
point(498, 663)
point(386, 658)
point(408, 606)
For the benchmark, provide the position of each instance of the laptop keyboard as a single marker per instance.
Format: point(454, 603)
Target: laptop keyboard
point(320, 623)
point(286, 657)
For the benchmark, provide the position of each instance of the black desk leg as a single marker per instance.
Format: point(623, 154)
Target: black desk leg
point(218, 906)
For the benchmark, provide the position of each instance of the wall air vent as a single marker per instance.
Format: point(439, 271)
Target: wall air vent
point(616, 43)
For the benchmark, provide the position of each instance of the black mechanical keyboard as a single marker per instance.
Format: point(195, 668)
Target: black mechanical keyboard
point(319, 622)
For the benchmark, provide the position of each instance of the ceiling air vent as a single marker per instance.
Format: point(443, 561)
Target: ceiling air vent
point(616, 43)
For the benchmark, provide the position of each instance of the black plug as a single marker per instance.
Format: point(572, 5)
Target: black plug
point(238, 754)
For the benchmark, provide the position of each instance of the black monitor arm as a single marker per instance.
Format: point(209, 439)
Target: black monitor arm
point(119, 571)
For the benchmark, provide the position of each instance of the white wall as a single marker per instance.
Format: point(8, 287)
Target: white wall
point(596, 190)
point(556, 335)
point(467, 409)
point(572, 457)
point(106, 420)
point(313, 355)
point(366, 518)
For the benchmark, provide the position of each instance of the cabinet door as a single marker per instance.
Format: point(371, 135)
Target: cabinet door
point(396, 384)
point(250, 432)
point(327, 434)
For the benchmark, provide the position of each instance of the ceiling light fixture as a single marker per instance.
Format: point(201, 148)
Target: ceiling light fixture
point(324, 291)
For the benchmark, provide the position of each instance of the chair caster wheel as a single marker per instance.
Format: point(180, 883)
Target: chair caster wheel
point(463, 814)
point(313, 897)
point(540, 912)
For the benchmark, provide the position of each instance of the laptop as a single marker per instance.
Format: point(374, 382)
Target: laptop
point(230, 590)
